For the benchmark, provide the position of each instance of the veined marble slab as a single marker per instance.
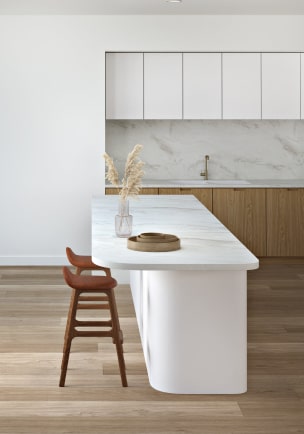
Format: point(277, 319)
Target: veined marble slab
point(238, 149)
point(222, 183)
point(206, 244)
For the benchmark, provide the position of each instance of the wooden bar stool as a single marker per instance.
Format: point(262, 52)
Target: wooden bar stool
point(83, 262)
point(87, 285)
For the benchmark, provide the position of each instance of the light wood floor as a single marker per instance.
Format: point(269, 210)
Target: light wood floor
point(33, 304)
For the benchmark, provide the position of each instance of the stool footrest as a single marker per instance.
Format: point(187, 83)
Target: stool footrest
point(93, 323)
point(93, 298)
point(92, 334)
point(93, 306)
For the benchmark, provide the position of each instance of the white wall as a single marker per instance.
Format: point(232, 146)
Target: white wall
point(52, 112)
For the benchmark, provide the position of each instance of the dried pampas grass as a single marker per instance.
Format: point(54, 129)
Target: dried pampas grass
point(131, 182)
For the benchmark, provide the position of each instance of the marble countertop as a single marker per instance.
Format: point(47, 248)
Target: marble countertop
point(225, 183)
point(206, 244)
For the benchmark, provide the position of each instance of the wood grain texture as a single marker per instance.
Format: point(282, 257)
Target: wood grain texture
point(285, 222)
point(33, 311)
point(204, 195)
point(243, 212)
point(144, 190)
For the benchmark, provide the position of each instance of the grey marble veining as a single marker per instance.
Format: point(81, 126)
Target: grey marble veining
point(222, 183)
point(206, 244)
point(238, 149)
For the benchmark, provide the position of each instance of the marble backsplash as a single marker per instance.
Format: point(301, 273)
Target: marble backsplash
point(237, 149)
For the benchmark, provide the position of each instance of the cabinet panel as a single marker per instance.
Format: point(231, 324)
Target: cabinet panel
point(163, 85)
point(241, 86)
point(202, 85)
point(204, 195)
point(243, 212)
point(124, 85)
point(302, 85)
point(145, 190)
point(281, 85)
point(285, 222)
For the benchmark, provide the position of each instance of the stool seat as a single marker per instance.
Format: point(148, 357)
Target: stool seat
point(84, 262)
point(106, 328)
point(88, 283)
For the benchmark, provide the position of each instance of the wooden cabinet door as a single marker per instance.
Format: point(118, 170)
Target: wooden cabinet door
point(204, 195)
point(202, 85)
point(241, 86)
point(111, 190)
point(281, 85)
point(163, 86)
point(285, 222)
point(124, 86)
point(243, 212)
point(145, 190)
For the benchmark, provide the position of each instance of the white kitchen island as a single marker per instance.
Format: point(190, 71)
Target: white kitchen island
point(191, 304)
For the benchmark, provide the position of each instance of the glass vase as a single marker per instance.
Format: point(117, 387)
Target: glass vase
point(123, 220)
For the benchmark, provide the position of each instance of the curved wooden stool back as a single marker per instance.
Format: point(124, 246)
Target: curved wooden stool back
point(83, 262)
point(97, 285)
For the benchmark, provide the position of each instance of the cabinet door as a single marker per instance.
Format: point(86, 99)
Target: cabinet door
point(302, 85)
point(202, 85)
point(285, 222)
point(145, 190)
point(241, 86)
point(281, 85)
point(124, 85)
point(243, 212)
point(204, 195)
point(163, 85)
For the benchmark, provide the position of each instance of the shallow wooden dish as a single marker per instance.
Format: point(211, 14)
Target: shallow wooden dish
point(154, 242)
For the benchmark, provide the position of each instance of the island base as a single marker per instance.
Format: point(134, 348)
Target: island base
point(193, 327)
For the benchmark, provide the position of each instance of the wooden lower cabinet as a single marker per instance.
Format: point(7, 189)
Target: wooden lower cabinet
point(285, 222)
point(148, 190)
point(243, 212)
point(204, 195)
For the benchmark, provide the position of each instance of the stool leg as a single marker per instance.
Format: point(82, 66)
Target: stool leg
point(117, 337)
point(69, 334)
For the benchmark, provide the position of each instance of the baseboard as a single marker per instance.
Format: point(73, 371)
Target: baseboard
point(12, 261)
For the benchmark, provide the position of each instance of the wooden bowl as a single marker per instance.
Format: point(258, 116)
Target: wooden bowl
point(154, 242)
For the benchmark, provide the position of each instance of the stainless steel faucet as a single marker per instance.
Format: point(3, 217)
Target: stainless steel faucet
point(205, 173)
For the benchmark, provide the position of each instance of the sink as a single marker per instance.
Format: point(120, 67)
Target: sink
point(227, 182)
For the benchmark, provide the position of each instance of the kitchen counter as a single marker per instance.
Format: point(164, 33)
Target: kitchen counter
point(190, 303)
point(217, 183)
point(206, 243)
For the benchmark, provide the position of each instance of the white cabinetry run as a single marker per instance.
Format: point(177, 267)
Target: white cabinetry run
point(204, 86)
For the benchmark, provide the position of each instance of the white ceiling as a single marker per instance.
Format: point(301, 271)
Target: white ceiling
point(151, 7)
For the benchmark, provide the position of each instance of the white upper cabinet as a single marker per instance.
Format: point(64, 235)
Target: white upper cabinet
point(241, 85)
point(302, 85)
point(202, 85)
point(124, 85)
point(163, 86)
point(281, 85)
